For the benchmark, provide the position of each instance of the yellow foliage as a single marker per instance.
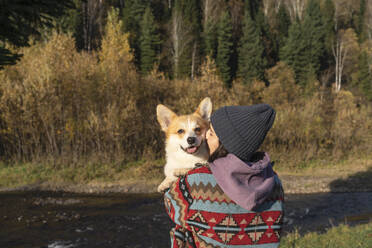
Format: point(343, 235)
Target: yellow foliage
point(115, 54)
point(60, 104)
point(283, 88)
point(208, 71)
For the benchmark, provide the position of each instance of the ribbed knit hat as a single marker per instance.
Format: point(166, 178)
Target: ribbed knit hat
point(242, 129)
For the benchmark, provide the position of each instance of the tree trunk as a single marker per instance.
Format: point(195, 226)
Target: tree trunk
point(193, 61)
point(92, 21)
point(181, 38)
point(175, 44)
point(296, 8)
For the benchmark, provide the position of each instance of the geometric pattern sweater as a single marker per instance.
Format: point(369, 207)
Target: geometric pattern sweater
point(206, 217)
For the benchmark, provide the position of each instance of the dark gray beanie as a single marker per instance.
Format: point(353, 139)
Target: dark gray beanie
point(242, 129)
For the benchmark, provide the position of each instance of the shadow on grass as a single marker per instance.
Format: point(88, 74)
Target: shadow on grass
point(359, 182)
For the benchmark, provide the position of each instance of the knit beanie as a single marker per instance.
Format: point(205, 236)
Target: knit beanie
point(242, 129)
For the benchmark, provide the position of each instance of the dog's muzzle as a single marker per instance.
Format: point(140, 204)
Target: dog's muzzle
point(192, 149)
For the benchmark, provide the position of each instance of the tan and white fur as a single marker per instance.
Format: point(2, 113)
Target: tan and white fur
point(185, 143)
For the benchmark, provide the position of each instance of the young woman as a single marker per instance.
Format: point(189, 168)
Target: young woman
point(236, 200)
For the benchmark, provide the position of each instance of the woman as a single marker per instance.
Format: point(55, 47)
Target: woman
point(235, 200)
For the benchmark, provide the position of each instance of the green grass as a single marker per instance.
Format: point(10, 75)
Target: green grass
point(19, 174)
point(339, 168)
point(89, 173)
point(342, 236)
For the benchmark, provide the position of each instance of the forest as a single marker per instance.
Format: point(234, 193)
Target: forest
point(80, 79)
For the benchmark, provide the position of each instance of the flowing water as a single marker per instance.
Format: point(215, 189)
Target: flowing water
point(65, 220)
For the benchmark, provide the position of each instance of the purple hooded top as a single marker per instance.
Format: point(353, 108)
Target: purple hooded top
point(246, 183)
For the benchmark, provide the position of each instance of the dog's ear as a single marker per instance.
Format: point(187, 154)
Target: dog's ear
point(205, 108)
point(164, 116)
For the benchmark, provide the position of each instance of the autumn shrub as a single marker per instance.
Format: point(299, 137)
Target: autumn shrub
point(351, 132)
point(313, 127)
point(61, 106)
point(297, 132)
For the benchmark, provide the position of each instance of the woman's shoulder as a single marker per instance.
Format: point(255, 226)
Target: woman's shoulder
point(201, 175)
point(203, 186)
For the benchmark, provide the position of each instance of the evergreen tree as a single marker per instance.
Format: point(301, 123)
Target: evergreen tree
point(252, 61)
point(283, 24)
point(364, 76)
point(20, 19)
point(7, 57)
point(69, 22)
point(149, 42)
point(132, 16)
point(360, 30)
point(267, 38)
point(210, 40)
point(314, 36)
point(304, 48)
point(210, 14)
point(328, 13)
point(72, 22)
point(133, 13)
point(252, 7)
point(293, 52)
point(225, 48)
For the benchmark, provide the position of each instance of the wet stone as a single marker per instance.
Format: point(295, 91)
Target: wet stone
point(55, 201)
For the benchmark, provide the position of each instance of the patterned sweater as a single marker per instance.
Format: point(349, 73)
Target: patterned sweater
point(206, 217)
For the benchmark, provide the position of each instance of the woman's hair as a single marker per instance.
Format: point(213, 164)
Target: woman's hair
point(218, 153)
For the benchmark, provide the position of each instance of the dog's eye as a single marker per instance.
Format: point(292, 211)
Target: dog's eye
point(198, 129)
point(180, 131)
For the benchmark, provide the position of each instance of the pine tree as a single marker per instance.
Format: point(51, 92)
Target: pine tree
point(132, 16)
point(364, 76)
point(211, 11)
point(20, 19)
point(252, 7)
point(360, 30)
point(225, 48)
point(149, 42)
point(252, 61)
point(293, 52)
point(283, 24)
point(68, 23)
point(328, 13)
point(314, 35)
point(267, 38)
point(210, 40)
point(305, 46)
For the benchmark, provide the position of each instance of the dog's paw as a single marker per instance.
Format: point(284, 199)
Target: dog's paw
point(162, 188)
point(180, 171)
point(164, 185)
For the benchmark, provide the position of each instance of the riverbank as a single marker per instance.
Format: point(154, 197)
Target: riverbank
point(60, 219)
point(143, 177)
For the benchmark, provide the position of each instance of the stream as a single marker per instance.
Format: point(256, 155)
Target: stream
point(42, 219)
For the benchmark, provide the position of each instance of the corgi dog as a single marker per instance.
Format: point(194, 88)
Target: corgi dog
point(185, 143)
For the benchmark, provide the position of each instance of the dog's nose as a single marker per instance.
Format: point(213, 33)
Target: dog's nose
point(191, 140)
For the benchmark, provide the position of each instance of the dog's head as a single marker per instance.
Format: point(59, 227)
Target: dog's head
point(185, 132)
